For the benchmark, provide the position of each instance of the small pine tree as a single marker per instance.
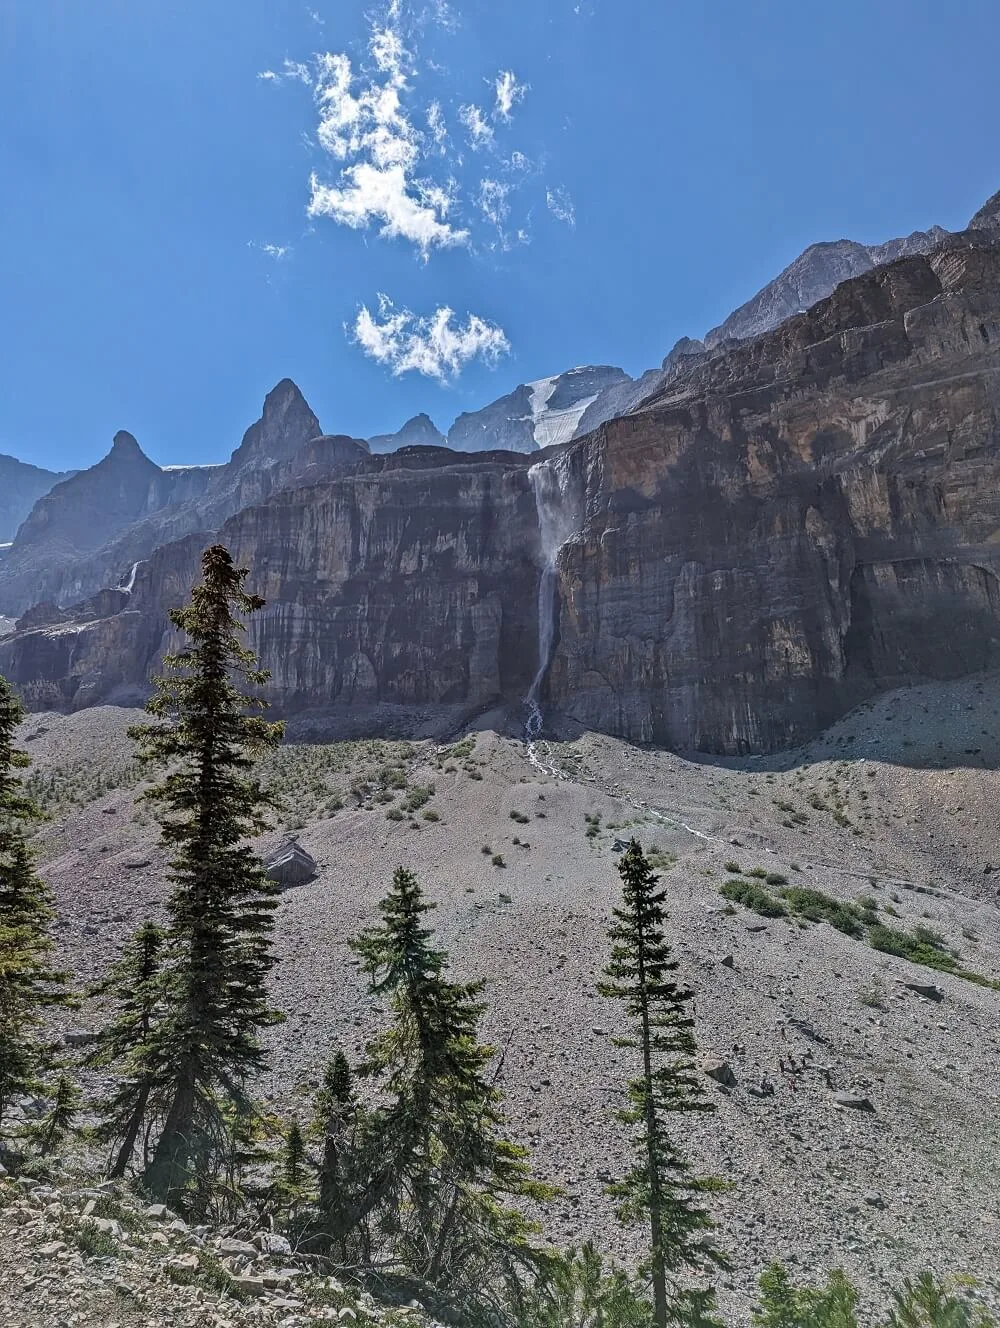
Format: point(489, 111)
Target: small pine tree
point(206, 1047)
point(293, 1162)
point(661, 1188)
point(340, 1184)
point(135, 983)
point(61, 1117)
point(29, 984)
point(441, 1168)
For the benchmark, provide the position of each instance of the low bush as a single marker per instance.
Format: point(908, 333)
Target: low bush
point(754, 897)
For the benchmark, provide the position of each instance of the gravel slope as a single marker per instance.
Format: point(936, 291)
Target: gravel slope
point(900, 802)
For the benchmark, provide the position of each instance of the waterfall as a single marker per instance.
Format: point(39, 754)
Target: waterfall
point(558, 521)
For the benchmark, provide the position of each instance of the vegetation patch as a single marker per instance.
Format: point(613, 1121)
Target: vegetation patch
point(858, 919)
point(754, 897)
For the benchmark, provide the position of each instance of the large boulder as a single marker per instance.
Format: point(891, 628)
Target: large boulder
point(290, 865)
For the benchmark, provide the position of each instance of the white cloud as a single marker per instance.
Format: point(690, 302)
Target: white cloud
point(364, 123)
point(560, 204)
point(316, 17)
point(509, 92)
point(435, 346)
point(369, 193)
point(479, 129)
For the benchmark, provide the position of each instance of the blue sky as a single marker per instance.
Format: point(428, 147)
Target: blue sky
point(185, 218)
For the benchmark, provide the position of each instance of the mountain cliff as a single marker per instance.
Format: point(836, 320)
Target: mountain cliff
point(21, 485)
point(91, 530)
point(785, 526)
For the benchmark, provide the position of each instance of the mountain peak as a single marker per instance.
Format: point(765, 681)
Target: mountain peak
point(125, 448)
point(286, 423)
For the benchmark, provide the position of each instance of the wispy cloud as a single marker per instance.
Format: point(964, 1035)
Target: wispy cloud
point(478, 128)
point(435, 346)
point(290, 69)
point(560, 204)
point(508, 92)
point(275, 251)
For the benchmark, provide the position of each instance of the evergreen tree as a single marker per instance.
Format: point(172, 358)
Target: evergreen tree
point(341, 1169)
point(293, 1163)
point(206, 1047)
point(61, 1116)
point(661, 1188)
point(126, 1043)
point(29, 984)
point(441, 1168)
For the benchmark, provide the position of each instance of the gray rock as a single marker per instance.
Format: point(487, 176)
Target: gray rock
point(80, 1037)
point(719, 1070)
point(853, 1102)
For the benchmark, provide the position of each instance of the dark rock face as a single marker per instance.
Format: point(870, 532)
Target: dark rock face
point(21, 485)
point(405, 585)
point(783, 527)
point(802, 520)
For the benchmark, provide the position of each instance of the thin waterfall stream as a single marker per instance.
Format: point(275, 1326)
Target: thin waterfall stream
point(558, 521)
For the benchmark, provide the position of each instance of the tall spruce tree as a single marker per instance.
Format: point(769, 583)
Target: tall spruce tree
point(442, 1171)
point(206, 1048)
point(136, 985)
point(29, 984)
point(661, 1188)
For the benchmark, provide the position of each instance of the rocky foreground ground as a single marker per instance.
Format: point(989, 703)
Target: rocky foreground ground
point(74, 1254)
point(857, 1092)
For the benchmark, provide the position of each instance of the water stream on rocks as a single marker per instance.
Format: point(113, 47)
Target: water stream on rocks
point(558, 521)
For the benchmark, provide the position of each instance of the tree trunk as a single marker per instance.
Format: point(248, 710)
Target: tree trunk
point(655, 1227)
point(173, 1149)
point(131, 1135)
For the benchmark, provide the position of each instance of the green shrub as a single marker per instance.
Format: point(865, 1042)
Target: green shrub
point(498, 860)
point(92, 1241)
point(759, 873)
point(519, 817)
point(927, 949)
point(754, 897)
point(430, 815)
point(733, 868)
point(394, 814)
point(418, 797)
point(815, 906)
point(775, 878)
